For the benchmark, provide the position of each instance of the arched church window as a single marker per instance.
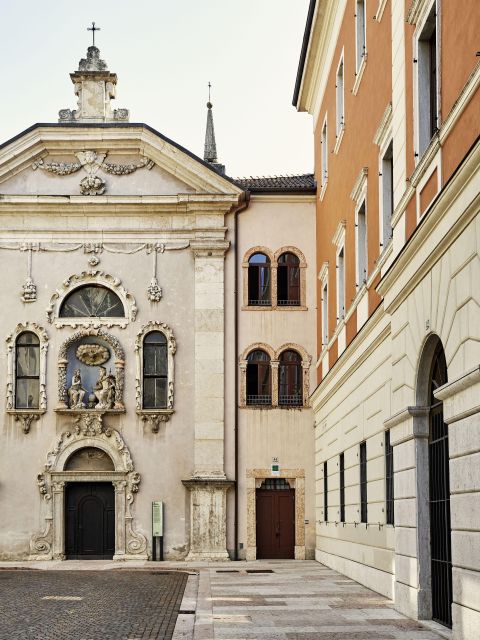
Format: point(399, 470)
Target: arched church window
point(259, 280)
point(288, 280)
point(92, 301)
point(155, 371)
point(290, 382)
point(27, 371)
point(259, 379)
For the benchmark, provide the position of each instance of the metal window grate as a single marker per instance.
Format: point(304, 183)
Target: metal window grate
point(325, 492)
point(288, 303)
point(278, 484)
point(389, 491)
point(259, 303)
point(292, 401)
point(363, 482)
point(259, 400)
point(342, 487)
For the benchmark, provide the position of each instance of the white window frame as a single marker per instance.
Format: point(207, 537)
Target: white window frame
point(340, 273)
point(324, 156)
point(422, 140)
point(340, 98)
point(323, 277)
point(382, 195)
point(361, 279)
point(360, 58)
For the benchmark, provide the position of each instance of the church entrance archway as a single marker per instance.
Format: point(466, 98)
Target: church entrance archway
point(89, 521)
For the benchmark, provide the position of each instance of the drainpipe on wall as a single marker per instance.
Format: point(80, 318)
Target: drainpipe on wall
point(245, 204)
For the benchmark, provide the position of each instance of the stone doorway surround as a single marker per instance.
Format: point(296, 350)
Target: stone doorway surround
point(296, 479)
point(90, 432)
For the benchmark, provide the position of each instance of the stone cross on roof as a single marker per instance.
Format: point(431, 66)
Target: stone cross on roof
point(93, 28)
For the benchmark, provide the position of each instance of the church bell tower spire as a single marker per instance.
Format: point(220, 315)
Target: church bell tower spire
point(94, 87)
point(210, 150)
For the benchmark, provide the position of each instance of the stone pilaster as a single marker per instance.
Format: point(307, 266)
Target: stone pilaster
point(208, 485)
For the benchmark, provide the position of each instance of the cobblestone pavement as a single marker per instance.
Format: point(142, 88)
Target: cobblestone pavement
point(89, 605)
point(297, 601)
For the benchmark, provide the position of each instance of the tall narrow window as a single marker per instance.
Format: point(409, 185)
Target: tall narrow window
point(259, 383)
point(340, 98)
point(361, 245)
point(155, 371)
point(360, 32)
point(325, 315)
point(427, 86)
point(27, 371)
point(290, 379)
point(342, 487)
point(341, 284)
point(324, 143)
point(390, 501)
point(325, 492)
point(259, 280)
point(363, 482)
point(288, 280)
point(387, 194)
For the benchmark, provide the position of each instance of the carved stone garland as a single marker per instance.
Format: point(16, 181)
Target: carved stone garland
point(63, 363)
point(93, 276)
point(154, 417)
point(26, 416)
point(88, 431)
point(92, 161)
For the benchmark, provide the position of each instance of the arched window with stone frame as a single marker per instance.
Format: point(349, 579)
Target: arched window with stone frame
point(259, 378)
point(259, 280)
point(290, 379)
point(26, 395)
point(289, 279)
point(155, 348)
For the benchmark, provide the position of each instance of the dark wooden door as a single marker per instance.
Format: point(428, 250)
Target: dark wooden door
point(275, 523)
point(89, 521)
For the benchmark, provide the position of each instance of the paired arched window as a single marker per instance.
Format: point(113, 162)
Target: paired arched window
point(274, 280)
point(290, 379)
point(259, 378)
point(274, 379)
point(259, 273)
point(27, 371)
point(288, 280)
point(92, 301)
point(155, 371)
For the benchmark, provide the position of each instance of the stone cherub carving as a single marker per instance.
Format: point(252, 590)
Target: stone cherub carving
point(76, 392)
point(104, 390)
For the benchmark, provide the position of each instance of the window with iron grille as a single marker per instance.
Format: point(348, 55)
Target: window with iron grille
point(390, 501)
point(259, 381)
point(155, 371)
point(290, 379)
point(259, 280)
point(342, 487)
point(325, 492)
point(363, 482)
point(27, 371)
point(288, 280)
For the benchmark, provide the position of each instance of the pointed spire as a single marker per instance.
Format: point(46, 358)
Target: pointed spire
point(210, 150)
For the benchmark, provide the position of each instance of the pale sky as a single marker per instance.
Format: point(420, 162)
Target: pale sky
point(164, 53)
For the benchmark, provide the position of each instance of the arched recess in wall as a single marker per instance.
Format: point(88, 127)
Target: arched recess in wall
point(433, 485)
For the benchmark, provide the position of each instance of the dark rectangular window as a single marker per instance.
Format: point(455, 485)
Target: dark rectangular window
point(363, 482)
point(390, 501)
point(387, 194)
point(342, 487)
point(433, 81)
point(325, 492)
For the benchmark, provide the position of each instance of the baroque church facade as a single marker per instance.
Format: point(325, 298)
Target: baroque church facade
point(159, 330)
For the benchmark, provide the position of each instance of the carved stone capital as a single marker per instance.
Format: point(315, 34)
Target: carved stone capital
point(209, 248)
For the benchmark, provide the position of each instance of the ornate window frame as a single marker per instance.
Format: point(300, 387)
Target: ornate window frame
point(26, 416)
point(274, 256)
point(88, 431)
point(154, 417)
point(274, 363)
point(62, 363)
point(92, 277)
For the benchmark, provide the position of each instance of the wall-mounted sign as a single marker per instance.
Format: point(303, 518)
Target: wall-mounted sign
point(157, 519)
point(275, 469)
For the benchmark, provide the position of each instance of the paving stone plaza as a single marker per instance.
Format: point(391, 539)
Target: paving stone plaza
point(271, 600)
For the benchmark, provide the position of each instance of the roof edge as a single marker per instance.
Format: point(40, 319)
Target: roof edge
point(303, 52)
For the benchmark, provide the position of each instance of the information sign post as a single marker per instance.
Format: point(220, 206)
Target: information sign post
point(157, 530)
